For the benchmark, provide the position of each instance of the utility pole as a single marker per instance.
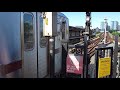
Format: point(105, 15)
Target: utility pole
point(105, 30)
point(86, 38)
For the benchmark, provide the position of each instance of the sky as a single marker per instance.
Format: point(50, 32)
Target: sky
point(79, 18)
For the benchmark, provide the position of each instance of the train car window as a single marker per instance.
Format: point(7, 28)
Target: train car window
point(58, 20)
point(28, 32)
point(63, 30)
point(43, 40)
point(58, 25)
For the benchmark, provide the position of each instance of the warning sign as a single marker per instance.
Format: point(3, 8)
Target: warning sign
point(104, 67)
point(46, 21)
point(74, 64)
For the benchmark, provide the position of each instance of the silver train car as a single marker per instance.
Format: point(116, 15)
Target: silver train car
point(24, 49)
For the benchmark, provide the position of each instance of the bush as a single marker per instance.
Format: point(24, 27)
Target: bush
point(111, 31)
point(97, 32)
point(116, 33)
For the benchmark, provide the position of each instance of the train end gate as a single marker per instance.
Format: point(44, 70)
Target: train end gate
point(104, 62)
point(74, 62)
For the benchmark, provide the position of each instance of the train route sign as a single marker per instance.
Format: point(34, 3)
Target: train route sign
point(104, 67)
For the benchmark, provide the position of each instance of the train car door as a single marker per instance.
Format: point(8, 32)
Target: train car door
point(42, 49)
point(29, 45)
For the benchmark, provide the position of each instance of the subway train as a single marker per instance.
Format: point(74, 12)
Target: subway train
point(24, 51)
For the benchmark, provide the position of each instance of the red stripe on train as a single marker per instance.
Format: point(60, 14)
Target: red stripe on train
point(5, 69)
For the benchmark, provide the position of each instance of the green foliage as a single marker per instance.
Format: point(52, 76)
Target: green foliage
point(114, 32)
point(111, 31)
point(97, 32)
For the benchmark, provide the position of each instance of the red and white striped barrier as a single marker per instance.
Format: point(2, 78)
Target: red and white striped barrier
point(74, 64)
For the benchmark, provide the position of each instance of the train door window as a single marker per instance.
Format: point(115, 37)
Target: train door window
point(58, 25)
point(43, 41)
point(63, 30)
point(28, 32)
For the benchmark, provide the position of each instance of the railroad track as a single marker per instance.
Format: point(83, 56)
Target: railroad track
point(93, 44)
point(91, 47)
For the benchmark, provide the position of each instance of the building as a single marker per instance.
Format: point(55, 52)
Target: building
point(75, 34)
point(102, 26)
point(79, 26)
point(114, 25)
point(108, 28)
point(97, 29)
point(118, 27)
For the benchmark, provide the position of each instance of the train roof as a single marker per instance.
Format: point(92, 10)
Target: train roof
point(61, 14)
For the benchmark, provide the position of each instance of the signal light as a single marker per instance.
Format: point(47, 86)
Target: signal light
point(88, 13)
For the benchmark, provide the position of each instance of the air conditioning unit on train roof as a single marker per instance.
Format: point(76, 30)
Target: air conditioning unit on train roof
point(50, 24)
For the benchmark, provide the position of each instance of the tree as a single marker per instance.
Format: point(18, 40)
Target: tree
point(115, 33)
point(111, 31)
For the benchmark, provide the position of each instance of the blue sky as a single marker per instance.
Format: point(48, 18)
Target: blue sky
point(78, 18)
